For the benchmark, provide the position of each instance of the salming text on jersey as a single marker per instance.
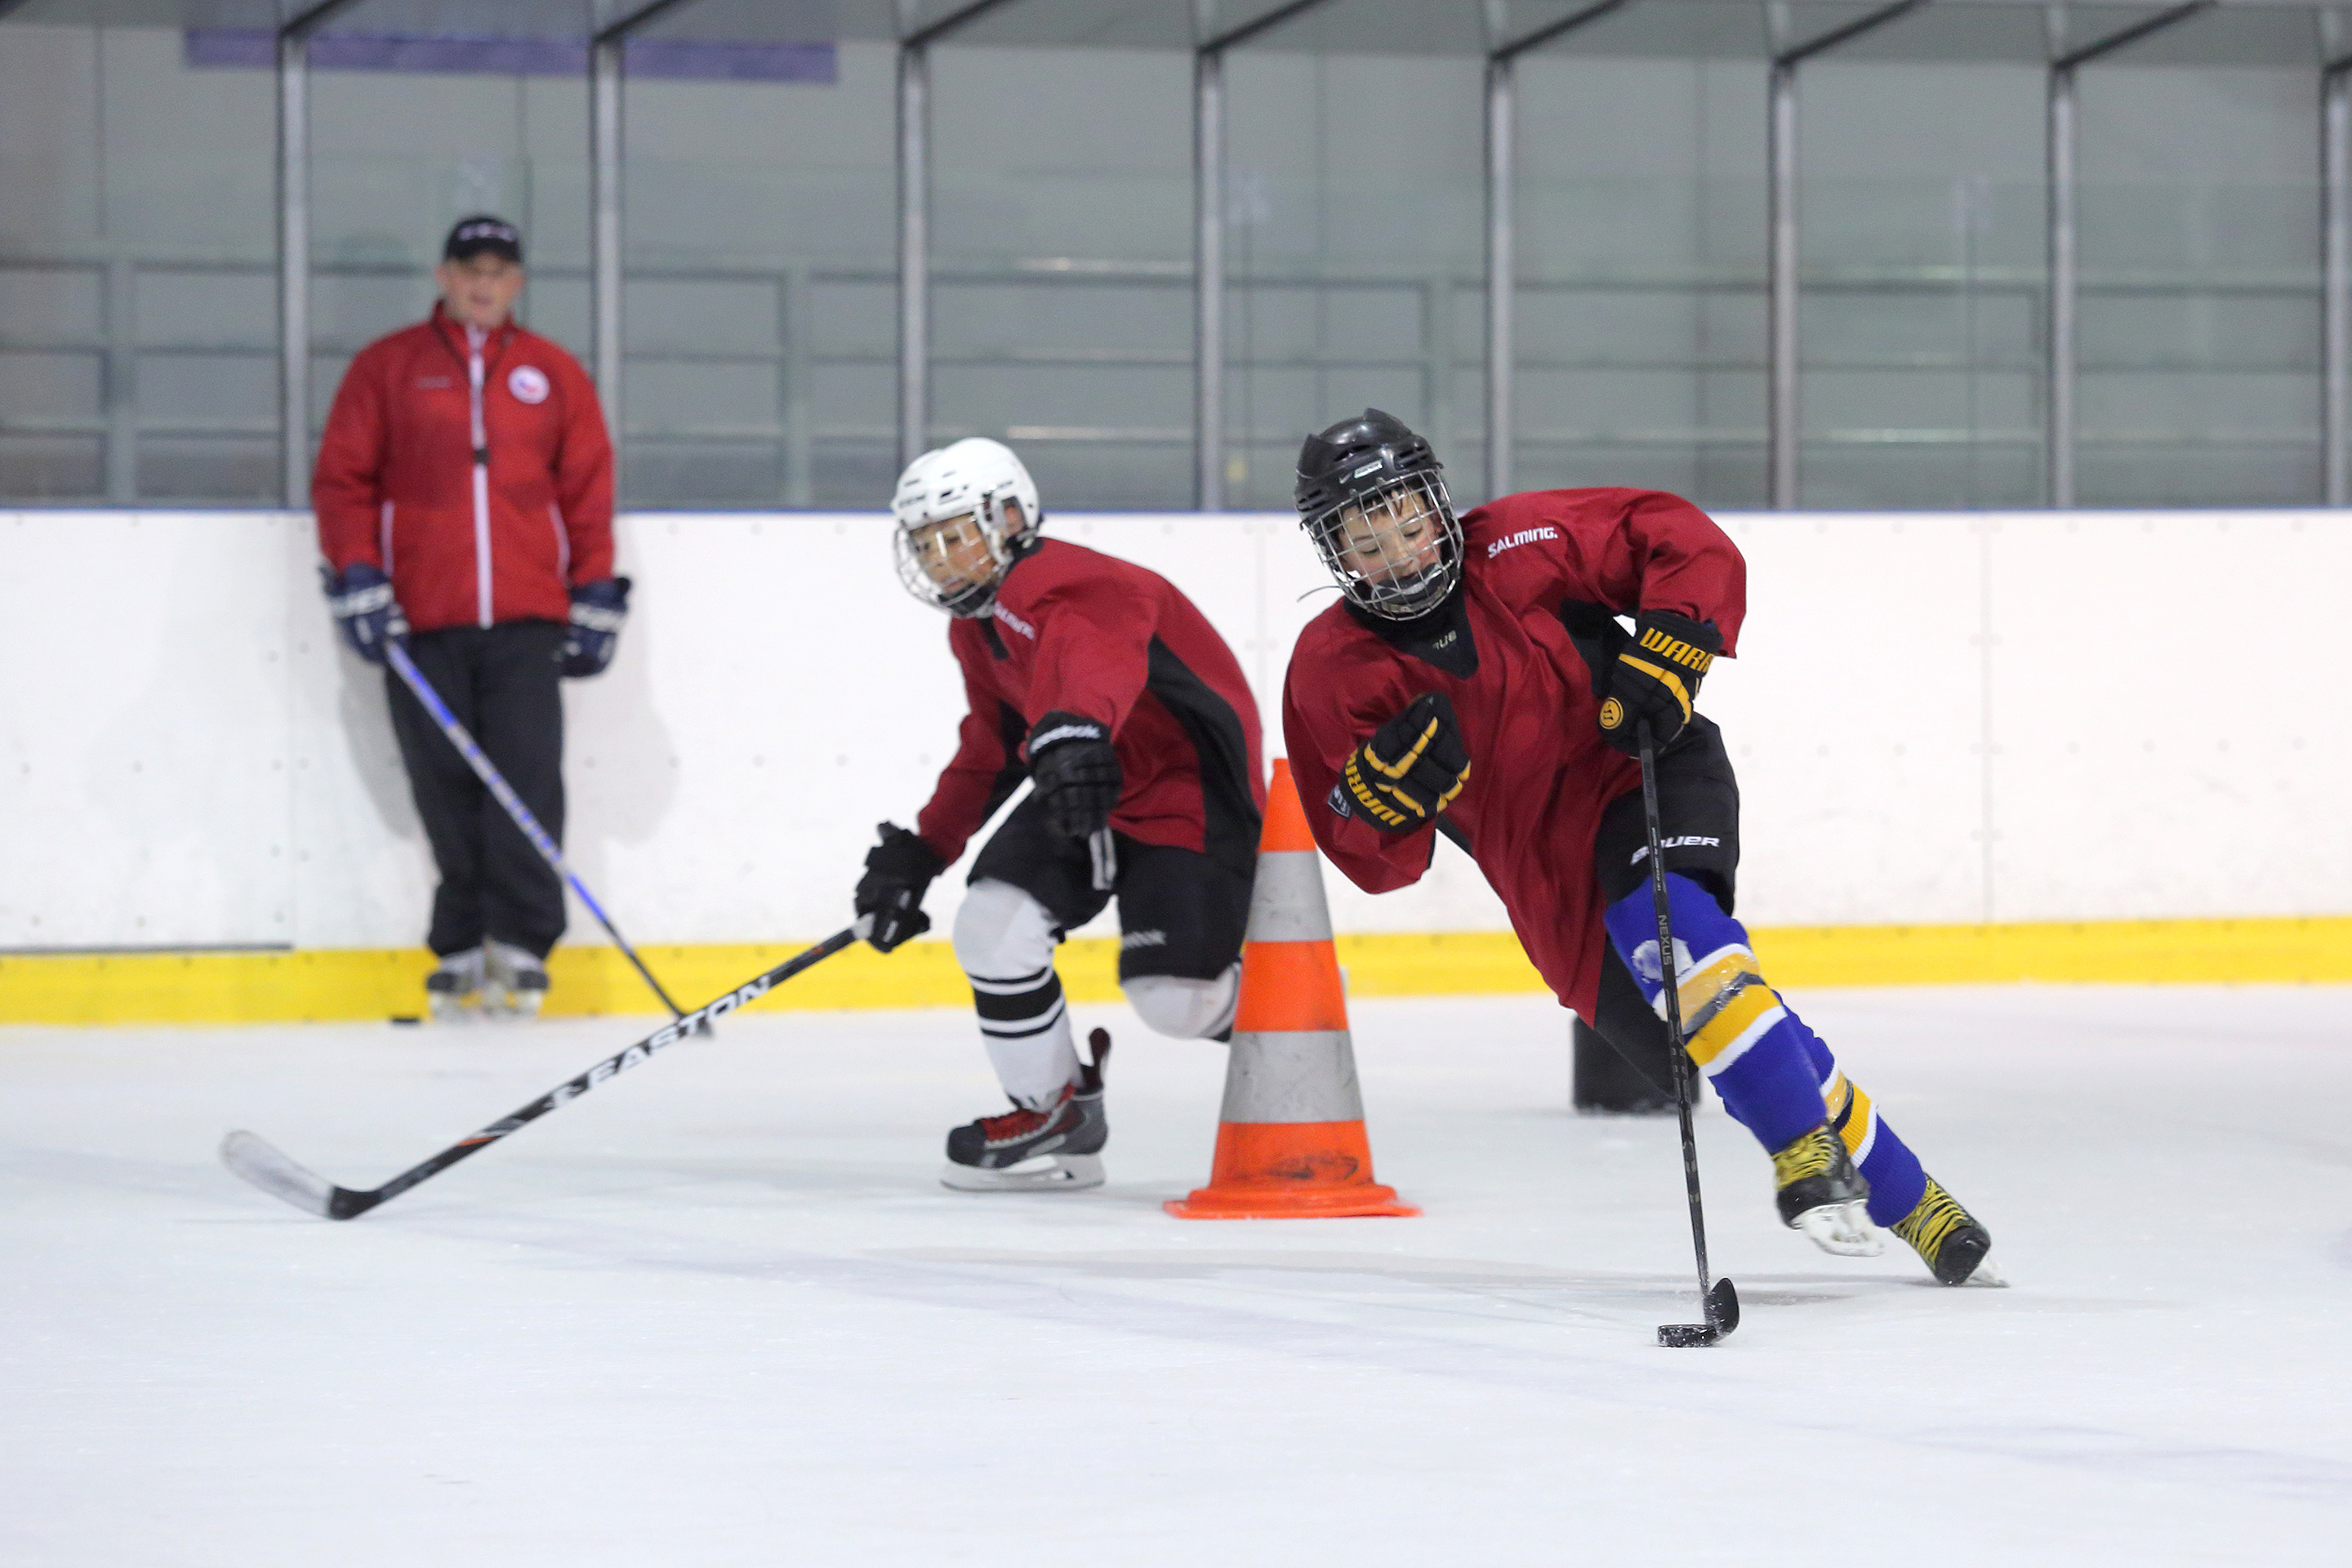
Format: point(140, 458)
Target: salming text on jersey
point(1524, 536)
point(1015, 621)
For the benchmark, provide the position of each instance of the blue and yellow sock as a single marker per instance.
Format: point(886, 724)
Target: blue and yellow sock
point(1776, 1076)
point(1741, 1036)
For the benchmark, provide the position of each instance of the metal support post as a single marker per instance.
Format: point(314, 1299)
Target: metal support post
point(915, 221)
point(606, 58)
point(2060, 432)
point(2336, 280)
point(1783, 414)
point(605, 234)
point(2058, 415)
point(1502, 197)
point(1209, 237)
point(1208, 280)
point(1502, 277)
point(294, 249)
point(914, 252)
point(1781, 385)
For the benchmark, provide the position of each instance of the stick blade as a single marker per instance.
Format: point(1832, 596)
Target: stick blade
point(1723, 1308)
point(258, 1161)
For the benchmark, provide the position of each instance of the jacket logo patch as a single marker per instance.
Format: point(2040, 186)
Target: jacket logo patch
point(1339, 802)
point(1524, 536)
point(1016, 623)
point(528, 383)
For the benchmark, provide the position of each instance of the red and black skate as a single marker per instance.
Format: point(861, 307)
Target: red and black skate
point(1059, 1148)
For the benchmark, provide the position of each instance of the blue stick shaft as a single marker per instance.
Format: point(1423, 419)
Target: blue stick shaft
point(504, 794)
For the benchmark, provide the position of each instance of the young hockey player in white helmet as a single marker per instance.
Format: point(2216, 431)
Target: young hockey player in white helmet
point(1104, 686)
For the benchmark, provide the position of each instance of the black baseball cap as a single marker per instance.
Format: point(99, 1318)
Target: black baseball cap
point(483, 234)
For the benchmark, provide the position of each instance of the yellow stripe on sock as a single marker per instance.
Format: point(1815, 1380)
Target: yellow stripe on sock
point(1749, 1014)
point(1858, 1127)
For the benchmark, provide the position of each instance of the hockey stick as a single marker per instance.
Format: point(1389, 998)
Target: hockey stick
point(258, 1162)
point(504, 792)
point(1720, 1299)
point(1103, 852)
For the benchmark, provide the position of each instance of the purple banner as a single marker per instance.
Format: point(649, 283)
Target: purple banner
point(670, 60)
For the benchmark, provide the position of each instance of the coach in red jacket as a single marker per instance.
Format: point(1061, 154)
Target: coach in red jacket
point(464, 492)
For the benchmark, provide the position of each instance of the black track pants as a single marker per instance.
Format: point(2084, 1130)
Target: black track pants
point(502, 683)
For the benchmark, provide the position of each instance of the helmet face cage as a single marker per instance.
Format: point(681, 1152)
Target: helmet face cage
point(1396, 550)
point(917, 539)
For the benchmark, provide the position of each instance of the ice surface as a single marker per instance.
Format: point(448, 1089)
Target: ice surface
point(720, 1311)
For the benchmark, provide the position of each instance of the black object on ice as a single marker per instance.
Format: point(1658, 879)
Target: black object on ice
point(260, 1162)
point(1720, 1298)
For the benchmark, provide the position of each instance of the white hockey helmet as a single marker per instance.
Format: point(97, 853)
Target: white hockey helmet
point(972, 480)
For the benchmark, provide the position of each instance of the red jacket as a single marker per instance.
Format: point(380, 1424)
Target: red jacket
point(1084, 633)
point(397, 486)
point(1540, 774)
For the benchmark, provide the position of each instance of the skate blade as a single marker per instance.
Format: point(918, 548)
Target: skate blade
point(1046, 1172)
point(1987, 1276)
point(1841, 1228)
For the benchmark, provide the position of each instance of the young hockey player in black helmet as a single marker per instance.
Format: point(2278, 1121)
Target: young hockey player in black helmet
point(1476, 679)
point(1099, 681)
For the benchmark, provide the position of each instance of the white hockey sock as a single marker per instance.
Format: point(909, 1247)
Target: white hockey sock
point(1004, 940)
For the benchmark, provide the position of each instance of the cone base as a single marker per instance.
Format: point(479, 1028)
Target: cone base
point(1290, 1170)
point(1364, 1203)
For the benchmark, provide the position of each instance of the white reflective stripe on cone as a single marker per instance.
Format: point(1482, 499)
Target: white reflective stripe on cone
point(1301, 1074)
point(1287, 902)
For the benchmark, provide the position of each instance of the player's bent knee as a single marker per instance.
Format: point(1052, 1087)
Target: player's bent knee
point(1185, 1009)
point(1726, 1007)
point(1003, 932)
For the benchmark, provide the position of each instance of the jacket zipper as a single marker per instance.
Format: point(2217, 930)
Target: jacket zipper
point(481, 481)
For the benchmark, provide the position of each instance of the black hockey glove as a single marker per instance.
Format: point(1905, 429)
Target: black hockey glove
point(1412, 768)
point(1077, 773)
point(1656, 678)
point(360, 596)
point(597, 611)
point(899, 872)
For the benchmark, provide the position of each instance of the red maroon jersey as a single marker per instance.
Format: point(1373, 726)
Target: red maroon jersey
point(1077, 631)
point(1540, 774)
point(396, 488)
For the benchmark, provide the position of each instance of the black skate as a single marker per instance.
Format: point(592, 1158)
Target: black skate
point(1823, 1196)
point(1948, 1240)
point(1032, 1150)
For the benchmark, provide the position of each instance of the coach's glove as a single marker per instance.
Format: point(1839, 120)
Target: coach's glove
point(1656, 678)
point(1077, 773)
point(597, 611)
point(1412, 768)
point(365, 612)
point(899, 872)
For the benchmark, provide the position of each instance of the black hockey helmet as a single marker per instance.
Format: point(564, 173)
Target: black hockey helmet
point(1373, 495)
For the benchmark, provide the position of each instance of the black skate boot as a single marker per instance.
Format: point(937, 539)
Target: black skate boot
point(1823, 1196)
point(1030, 1151)
point(1948, 1240)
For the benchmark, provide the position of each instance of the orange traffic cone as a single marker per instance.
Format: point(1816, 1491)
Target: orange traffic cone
point(1290, 1140)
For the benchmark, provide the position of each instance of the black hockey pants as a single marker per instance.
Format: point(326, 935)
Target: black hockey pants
point(501, 682)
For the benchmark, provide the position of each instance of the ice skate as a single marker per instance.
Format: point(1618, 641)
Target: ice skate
point(514, 984)
point(1822, 1194)
point(1059, 1148)
point(1948, 1240)
point(454, 989)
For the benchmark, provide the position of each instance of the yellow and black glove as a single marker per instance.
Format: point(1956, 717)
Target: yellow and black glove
point(1656, 678)
point(1411, 769)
